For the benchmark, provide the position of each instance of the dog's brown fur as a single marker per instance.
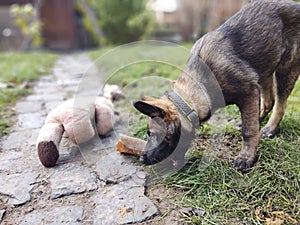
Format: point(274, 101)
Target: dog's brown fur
point(255, 60)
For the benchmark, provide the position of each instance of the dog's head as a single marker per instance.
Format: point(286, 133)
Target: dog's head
point(164, 130)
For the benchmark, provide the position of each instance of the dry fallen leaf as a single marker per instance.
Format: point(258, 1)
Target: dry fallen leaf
point(274, 221)
point(273, 218)
point(122, 211)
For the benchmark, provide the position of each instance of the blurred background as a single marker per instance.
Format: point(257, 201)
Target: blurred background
point(80, 24)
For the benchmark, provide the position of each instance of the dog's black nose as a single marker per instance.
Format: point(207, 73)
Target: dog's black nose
point(145, 160)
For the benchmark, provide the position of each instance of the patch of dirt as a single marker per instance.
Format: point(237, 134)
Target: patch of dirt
point(169, 213)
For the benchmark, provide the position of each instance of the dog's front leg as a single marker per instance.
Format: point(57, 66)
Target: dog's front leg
point(250, 131)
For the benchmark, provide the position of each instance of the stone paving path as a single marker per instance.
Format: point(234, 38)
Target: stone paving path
point(95, 185)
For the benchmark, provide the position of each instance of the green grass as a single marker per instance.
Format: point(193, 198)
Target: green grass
point(128, 63)
point(229, 197)
point(17, 68)
point(226, 195)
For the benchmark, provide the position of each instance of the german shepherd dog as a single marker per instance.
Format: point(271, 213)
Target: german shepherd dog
point(255, 59)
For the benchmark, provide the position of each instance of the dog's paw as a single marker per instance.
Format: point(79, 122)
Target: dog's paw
point(267, 133)
point(243, 163)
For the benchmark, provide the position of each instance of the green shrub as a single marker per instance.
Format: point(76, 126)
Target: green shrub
point(122, 21)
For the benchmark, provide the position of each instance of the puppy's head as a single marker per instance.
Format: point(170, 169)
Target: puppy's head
point(164, 129)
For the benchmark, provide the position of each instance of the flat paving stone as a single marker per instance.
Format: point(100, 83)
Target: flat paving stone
point(52, 105)
point(18, 139)
point(70, 82)
point(46, 97)
point(67, 151)
point(116, 185)
point(17, 187)
point(9, 160)
point(114, 168)
point(30, 120)
point(33, 137)
point(64, 215)
point(122, 204)
point(71, 178)
point(15, 140)
point(28, 107)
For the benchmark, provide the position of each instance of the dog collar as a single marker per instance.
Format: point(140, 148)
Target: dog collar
point(185, 108)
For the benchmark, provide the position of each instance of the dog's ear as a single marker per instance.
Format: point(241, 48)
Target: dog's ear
point(149, 109)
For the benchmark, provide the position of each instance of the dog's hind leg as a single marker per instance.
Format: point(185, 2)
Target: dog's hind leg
point(267, 97)
point(285, 81)
point(249, 107)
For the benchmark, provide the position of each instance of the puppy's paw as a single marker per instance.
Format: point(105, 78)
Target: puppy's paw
point(244, 163)
point(48, 153)
point(267, 133)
